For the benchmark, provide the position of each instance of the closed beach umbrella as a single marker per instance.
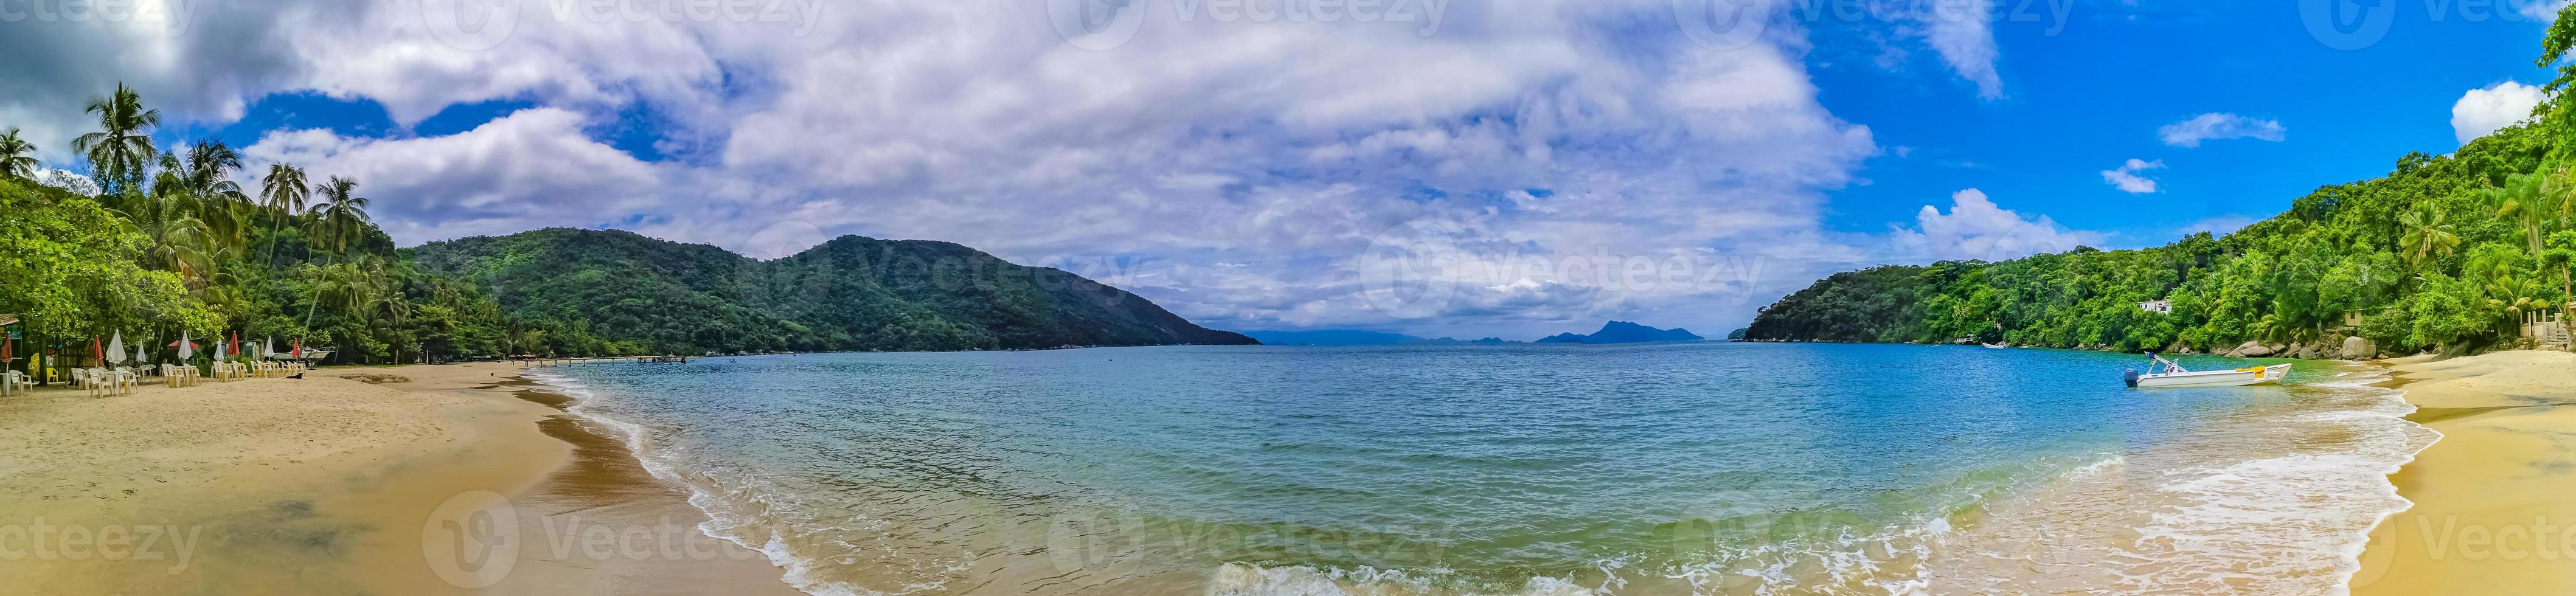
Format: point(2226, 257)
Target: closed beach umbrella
point(187, 349)
point(219, 351)
point(97, 350)
point(116, 348)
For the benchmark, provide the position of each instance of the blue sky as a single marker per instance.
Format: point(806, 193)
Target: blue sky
point(1453, 168)
point(2094, 96)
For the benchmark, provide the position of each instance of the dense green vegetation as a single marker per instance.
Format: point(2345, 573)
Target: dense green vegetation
point(853, 293)
point(173, 245)
point(2446, 253)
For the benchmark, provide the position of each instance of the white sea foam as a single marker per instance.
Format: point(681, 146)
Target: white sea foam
point(2293, 523)
point(722, 521)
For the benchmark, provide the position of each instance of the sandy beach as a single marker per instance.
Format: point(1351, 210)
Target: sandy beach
point(2491, 513)
point(431, 480)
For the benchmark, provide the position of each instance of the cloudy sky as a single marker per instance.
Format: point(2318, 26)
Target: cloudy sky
point(1439, 167)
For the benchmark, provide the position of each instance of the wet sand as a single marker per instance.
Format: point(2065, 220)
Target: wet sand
point(442, 480)
point(2492, 513)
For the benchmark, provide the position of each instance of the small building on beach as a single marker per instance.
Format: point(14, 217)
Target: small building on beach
point(2162, 307)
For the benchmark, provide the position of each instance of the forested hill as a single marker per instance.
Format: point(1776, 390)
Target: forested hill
point(853, 293)
point(2445, 253)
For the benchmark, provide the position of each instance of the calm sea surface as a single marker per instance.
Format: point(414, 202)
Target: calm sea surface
point(1540, 469)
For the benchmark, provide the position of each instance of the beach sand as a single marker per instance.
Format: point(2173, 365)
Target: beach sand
point(443, 480)
point(2495, 499)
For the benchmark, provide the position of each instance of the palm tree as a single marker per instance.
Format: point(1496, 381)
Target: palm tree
point(282, 193)
point(2516, 297)
point(284, 190)
point(2428, 231)
point(178, 241)
point(2521, 196)
point(17, 156)
point(118, 151)
point(344, 215)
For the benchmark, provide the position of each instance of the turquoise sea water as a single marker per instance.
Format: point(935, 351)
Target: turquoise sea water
point(1651, 469)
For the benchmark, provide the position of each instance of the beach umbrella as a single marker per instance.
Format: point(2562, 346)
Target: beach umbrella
point(268, 349)
point(187, 348)
point(234, 345)
point(97, 350)
point(219, 351)
point(116, 348)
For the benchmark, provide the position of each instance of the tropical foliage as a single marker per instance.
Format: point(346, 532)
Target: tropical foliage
point(2444, 253)
point(173, 245)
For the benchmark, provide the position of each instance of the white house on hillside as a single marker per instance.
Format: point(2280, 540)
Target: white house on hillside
point(2162, 307)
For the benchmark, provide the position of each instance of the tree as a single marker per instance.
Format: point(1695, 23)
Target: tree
point(2428, 231)
point(284, 189)
point(118, 151)
point(344, 214)
point(2521, 198)
point(2516, 298)
point(17, 156)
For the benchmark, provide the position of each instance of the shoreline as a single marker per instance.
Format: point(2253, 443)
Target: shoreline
point(439, 479)
point(2488, 514)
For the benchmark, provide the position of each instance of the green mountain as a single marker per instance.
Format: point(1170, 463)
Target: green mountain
point(2448, 253)
point(2451, 253)
point(852, 293)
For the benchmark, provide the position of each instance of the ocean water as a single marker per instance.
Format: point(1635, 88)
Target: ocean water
point(1701, 468)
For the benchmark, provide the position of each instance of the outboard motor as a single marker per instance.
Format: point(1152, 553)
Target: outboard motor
point(2132, 377)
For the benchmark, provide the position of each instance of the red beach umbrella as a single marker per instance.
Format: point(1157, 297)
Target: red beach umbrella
point(97, 350)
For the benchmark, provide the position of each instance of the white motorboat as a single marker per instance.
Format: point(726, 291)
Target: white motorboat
point(2165, 373)
point(1994, 346)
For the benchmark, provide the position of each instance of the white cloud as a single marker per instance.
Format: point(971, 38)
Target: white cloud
point(1976, 229)
point(1539, 128)
point(1962, 32)
point(2483, 111)
point(2540, 11)
point(2128, 179)
point(2220, 126)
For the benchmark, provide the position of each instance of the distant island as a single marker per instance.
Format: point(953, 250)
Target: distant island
point(1623, 332)
point(1352, 337)
point(1615, 332)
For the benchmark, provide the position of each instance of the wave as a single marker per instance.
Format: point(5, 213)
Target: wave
point(722, 523)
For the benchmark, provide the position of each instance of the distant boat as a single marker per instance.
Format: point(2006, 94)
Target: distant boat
point(2165, 373)
point(1995, 346)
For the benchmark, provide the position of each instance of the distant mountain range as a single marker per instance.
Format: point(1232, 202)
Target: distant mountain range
point(1616, 332)
point(1623, 332)
point(1348, 337)
point(852, 293)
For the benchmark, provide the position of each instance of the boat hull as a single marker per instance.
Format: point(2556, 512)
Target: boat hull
point(2217, 378)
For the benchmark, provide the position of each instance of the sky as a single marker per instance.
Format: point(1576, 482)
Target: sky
point(1435, 167)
